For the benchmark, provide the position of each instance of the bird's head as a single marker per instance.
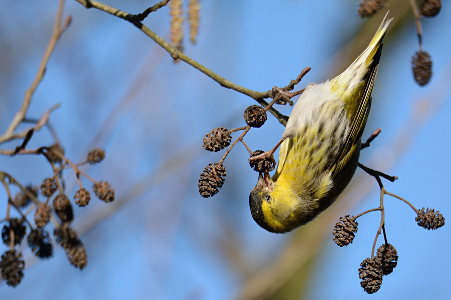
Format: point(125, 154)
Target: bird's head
point(276, 207)
point(260, 200)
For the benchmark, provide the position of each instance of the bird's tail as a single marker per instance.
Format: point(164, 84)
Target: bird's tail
point(371, 55)
point(364, 67)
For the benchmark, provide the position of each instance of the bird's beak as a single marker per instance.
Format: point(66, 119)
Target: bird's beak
point(264, 180)
point(261, 180)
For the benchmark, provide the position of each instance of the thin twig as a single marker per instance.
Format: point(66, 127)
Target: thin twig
point(417, 16)
point(12, 180)
point(25, 141)
point(385, 234)
point(402, 199)
point(57, 178)
point(49, 126)
point(8, 192)
point(268, 154)
point(246, 146)
point(20, 115)
point(75, 168)
point(381, 206)
point(367, 211)
point(238, 129)
point(367, 143)
point(274, 100)
point(26, 134)
point(30, 209)
point(24, 151)
point(10, 200)
point(21, 135)
point(140, 17)
point(282, 95)
point(294, 82)
point(234, 143)
point(377, 174)
point(176, 54)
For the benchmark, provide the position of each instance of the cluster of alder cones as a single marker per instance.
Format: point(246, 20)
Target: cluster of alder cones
point(213, 176)
point(50, 204)
point(373, 268)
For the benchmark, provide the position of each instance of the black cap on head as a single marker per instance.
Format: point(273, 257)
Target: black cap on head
point(255, 204)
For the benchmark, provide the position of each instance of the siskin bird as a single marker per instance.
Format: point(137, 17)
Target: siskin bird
point(320, 146)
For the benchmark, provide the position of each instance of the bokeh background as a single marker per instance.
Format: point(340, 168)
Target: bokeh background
point(160, 239)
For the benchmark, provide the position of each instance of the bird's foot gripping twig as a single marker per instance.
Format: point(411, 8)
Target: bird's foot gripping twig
point(283, 95)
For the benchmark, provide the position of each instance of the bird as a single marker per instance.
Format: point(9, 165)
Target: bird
point(320, 146)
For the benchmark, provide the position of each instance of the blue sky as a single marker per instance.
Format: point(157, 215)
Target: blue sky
point(167, 242)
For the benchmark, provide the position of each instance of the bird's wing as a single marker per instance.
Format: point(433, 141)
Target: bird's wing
point(359, 119)
point(354, 87)
point(284, 149)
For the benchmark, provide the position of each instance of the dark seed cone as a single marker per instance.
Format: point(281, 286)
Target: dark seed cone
point(368, 8)
point(11, 266)
point(262, 165)
point(14, 228)
point(54, 153)
point(211, 179)
point(42, 214)
point(345, 230)
point(77, 256)
point(39, 242)
point(65, 236)
point(388, 256)
point(82, 197)
point(370, 272)
point(22, 200)
point(255, 116)
point(63, 208)
point(104, 191)
point(422, 67)
point(48, 187)
point(95, 156)
point(72, 245)
point(217, 139)
point(431, 8)
point(429, 218)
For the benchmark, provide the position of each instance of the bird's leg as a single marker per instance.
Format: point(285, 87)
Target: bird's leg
point(268, 154)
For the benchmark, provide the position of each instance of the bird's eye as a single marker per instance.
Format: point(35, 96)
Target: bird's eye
point(267, 198)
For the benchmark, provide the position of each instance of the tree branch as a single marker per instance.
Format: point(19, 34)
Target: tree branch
point(58, 29)
point(176, 54)
point(21, 135)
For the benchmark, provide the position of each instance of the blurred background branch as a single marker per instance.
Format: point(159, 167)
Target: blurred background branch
point(58, 29)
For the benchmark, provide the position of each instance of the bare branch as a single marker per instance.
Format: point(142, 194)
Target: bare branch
point(176, 54)
point(382, 223)
point(374, 135)
point(140, 17)
point(377, 174)
point(416, 13)
point(23, 135)
point(20, 115)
